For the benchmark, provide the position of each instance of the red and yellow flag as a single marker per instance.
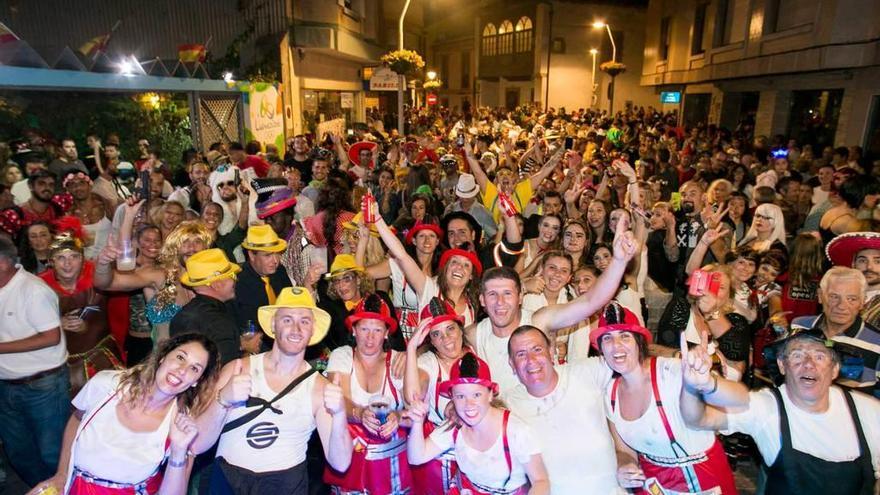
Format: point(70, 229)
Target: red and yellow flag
point(193, 52)
point(96, 45)
point(6, 34)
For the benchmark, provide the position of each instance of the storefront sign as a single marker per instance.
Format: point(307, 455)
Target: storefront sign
point(265, 114)
point(670, 97)
point(346, 100)
point(384, 79)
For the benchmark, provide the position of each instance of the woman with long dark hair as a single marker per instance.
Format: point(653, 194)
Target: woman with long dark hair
point(130, 430)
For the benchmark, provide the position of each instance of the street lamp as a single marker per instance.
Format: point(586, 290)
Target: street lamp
point(593, 96)
point(431, 75)
point(401, 81)
point(600, 25)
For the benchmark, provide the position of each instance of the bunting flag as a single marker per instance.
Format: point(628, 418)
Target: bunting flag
point(6, 34)
point(96, 45)
point(193, 52)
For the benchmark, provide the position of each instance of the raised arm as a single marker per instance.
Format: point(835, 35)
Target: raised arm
point(415, 380)
point(411, 269)
point(476, 169)
point(558, 316)
point(699, 252)
point(546, 169)
point(378, 271)
point(344, 162)
point(700, 386)
point(107, 278)
point(419, 449)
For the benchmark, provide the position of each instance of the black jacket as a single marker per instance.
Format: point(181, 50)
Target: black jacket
point(209, 317)
point(250, 292)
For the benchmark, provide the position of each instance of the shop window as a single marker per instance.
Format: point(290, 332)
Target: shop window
point(490, 40)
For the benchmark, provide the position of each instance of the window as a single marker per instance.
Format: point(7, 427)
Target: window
point(505, 37)
point(780, 15)
point(664, 38)
point(523, 36)
point(490, 40)
point(444, 67)
point(699, 29)
point(465, 70)
point(731, 23)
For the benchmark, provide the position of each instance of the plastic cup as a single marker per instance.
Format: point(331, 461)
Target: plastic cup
point(47, 490)
point(249, 330)
point(380, 406)
point(127, 259)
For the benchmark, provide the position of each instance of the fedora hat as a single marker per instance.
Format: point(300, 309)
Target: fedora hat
point(208, 266)
point(263, 238)
point(355, 220)
point(343, 263)
point(293, 298)
point(466, 187)
point(842, 250)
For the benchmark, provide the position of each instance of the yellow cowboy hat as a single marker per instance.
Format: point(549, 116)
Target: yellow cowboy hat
point(263, 238)
point(292, 298)
point(341, 264)
point(208, 266)
point(353, 224)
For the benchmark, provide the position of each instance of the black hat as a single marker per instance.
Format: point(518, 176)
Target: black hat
point(461, 215)
point(264, 187)
point(774, 350)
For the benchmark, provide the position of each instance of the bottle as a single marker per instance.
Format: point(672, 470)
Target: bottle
point(367, 205)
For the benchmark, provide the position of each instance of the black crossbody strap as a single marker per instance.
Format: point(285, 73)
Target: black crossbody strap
point(264, 404)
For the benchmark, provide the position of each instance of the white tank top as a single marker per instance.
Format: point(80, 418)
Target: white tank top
point(493, 350)
point(270, 442)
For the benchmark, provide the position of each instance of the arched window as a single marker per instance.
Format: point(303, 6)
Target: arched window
point(505, 37)
point(490, 40)
point(523, 36)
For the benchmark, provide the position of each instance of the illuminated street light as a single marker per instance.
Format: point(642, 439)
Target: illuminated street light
point(227, 76)
point(600, 25)
point(400, 78)
point(594, 98)
point(431, 75)
point(125, 67)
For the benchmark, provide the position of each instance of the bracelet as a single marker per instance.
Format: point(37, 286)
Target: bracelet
point(172, 463)
point(714, 386)
point(223, 404)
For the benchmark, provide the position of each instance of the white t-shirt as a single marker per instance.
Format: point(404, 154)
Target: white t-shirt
point(28, 306)
point(489, 468)
point(830, 435)
point(572, 411)
point(342, 361)
point(493, 350)
point(402, 295)
point(105, 448)
point(647, 435)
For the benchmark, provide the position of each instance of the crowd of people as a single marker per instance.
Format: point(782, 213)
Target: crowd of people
point(494, 302)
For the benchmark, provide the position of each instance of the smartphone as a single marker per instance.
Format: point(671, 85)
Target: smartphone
point(569, 143)
point(144, 192)
point(237, 179)
point(86, 311)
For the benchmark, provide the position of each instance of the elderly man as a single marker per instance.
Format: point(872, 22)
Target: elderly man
point(212, 277)
point(815, 437)
point(560, 403)
point(861, 250)
point(261, 450)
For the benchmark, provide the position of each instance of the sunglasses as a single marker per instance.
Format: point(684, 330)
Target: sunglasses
point(229, 183)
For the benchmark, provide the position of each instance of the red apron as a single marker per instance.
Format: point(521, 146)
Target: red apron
point(379, 466)
point(688, 473)
point(465, 484)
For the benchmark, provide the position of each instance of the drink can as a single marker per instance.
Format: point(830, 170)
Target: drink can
point(506, 204)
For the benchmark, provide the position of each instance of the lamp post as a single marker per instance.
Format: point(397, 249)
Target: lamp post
point(401, 80)
point(600, 25)
point(593, 96)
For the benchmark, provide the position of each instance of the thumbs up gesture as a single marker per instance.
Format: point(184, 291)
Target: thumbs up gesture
point(238, 388)
point(334, 401)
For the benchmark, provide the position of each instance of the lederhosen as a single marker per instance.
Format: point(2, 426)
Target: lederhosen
point(438, 475)
point(463, 483)
point(379, 466)
point(688, 473)
point(798, 472)
point(83, 483)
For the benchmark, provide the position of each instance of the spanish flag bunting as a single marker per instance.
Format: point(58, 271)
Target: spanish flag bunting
point(194, 52)
point(96, 45)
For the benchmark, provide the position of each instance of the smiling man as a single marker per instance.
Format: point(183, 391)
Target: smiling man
point(861, 250)
point(560, 403)
point(816, 438)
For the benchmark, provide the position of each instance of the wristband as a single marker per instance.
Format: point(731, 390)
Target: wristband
point(172, 463)
point(223, 404)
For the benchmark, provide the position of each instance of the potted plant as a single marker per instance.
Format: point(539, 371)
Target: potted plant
point(432, 84)
point(403, 62)
point(612, 68)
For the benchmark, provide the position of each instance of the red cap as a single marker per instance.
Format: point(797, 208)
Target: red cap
point(419, 226)
point(468, 369)
point(372, 307)
point(470, 255)
point(617, 318)
point(439, 311)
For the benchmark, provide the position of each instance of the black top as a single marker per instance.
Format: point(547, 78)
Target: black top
point(209, 317)
point(250, 292)
point(734, 344)
point(304, 167)
point(660, 269)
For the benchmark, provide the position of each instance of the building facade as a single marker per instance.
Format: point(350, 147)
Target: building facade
point(801, 68)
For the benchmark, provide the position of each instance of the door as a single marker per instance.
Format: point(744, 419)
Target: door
point(511, 98)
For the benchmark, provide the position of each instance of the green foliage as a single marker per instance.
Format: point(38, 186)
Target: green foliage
point(72, 114)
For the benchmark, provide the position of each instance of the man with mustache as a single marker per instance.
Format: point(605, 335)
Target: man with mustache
point(40, 206)
point(861, 250)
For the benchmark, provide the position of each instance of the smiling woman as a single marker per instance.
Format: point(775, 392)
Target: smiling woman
point(127, 425)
